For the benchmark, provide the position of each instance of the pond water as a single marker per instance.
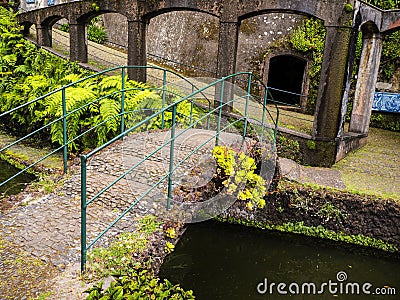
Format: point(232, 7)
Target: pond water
point(17, 184)
point(222, 261)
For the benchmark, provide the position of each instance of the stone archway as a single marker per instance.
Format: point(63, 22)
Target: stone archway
point(286, 73)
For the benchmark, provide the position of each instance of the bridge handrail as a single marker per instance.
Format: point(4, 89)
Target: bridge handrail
point(66, 114)
point(85, 202)
point(161, 111)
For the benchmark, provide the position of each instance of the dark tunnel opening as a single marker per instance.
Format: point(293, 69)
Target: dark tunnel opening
point(286, 73)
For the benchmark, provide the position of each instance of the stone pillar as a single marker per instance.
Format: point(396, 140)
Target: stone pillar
point(43, 35)
point(227, 48)
point(366, 82)
point(333, 72)
point(137, 49)
point(78, 50)
point(226, 58)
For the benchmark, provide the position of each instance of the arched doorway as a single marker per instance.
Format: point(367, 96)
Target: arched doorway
point(286, 76)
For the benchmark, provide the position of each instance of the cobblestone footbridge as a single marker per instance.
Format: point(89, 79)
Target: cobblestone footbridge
point(50, 228)
point(134, 174)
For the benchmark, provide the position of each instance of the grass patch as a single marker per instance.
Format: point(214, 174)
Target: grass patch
point(318, 232)
point(125, 253)
point(375, 168)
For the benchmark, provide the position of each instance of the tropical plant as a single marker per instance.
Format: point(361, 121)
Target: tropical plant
point(238, 169)
point(140, 284)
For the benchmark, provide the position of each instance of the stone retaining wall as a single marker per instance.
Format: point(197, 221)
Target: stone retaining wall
point(335, 210)
point(192, 38)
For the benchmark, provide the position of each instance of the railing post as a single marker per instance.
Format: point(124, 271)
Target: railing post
point(83, 212)
point(123, 100)
point(209, 117)
point(276, 124)
point(163, 98)
point(219, 112)
point(263, 113)
point(246, 110)
point(171, 157)
point(65, 137)
point(191, 107)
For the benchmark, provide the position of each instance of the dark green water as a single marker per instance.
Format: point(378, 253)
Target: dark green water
point(220, 261)
point(16, 185)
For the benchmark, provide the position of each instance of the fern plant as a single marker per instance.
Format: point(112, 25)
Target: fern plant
point(94, 104)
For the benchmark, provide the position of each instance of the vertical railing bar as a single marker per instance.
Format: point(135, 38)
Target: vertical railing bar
point(83, 212)
point(263, 114)
point(246, 110)
point(171, 157)
point(163, 98)
point(191, 107)
point(123, 100)
point(219, 112)
point(209, 116)
point(276, 124)
point(65, 137)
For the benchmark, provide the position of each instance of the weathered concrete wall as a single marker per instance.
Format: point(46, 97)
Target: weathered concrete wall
point(187, 37)
point(256, 35)
point(117, 29)
point(192, 38)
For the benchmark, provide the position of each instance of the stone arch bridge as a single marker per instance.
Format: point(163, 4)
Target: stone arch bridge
point(343, 20)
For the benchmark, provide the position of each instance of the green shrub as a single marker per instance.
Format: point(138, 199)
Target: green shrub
point(95, 32)
point(241, 179)
point(385, 121)
point(309, 38)
point(140, 284)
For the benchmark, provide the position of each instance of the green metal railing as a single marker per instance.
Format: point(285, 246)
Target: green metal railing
point(65, 114)
point(238, 109)
point(219, 87)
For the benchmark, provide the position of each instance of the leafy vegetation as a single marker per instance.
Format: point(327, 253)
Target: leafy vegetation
point(27, 72)
point(289, 148)
point(94, 103)
point(385, 4)
point(309, 38)
point(119, 257)
point(390, 60)
point(320, 232)
point(127, 261)
point(139, 284)
point(239, 170)
point(96, 32)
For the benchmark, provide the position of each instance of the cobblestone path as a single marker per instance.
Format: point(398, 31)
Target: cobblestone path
point(49, 229)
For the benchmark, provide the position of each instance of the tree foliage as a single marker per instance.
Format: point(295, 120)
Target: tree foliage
point(385, 4)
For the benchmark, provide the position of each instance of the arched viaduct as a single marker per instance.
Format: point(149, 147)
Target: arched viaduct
point(343, 20)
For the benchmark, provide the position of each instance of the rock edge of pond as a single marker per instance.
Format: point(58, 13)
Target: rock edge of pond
point(335, 210)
